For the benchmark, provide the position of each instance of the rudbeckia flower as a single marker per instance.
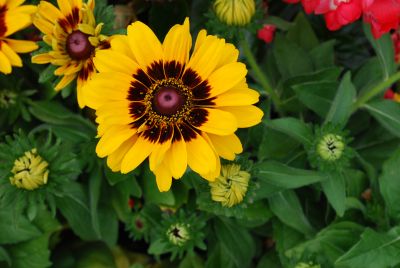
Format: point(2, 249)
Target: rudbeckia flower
point(14, 17)
point(72, 33)
point(154, 100)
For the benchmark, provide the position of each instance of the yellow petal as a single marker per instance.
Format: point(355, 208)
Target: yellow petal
point(163, 178)
point(114, 160)
point(105, 87)
point(16, 21)
point(226, 77)
point(157, 156)
point(65, 81)
point(201, 36)
point(218, 122)
point(112, 139)
point(176, 158)
point(21, 46)
point(230, 54)
point(112, 61)
point(5, 65)
point(114, 112)
point(42, 58)
point(65, 7)
point(13, 57)
point(246, 116)
point(13, 3)
point(201, 158)
point(205, 59)
point(144, 44)
point(137, 154)
point(226, 146)
point(237, 97)
point(120, 44)
point(177, 43)
point(49, 11)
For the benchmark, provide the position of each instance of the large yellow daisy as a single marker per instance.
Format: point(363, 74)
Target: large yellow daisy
point(153, 100)
point(72, 33)
point(13, 17)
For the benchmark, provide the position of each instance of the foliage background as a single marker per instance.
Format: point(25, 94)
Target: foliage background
point(298, 215)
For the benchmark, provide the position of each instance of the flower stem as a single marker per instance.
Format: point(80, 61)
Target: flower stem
point(376, 90)
point(258, 73)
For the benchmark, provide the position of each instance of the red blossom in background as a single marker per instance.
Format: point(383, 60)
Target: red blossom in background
point(342, 13)
point(267, 33)
point(383, 15)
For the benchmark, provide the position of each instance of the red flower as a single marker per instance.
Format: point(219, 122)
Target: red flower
point(341, 12)
point(383, 15)
point(389, 94)
point(310, 5)
point(267, 33)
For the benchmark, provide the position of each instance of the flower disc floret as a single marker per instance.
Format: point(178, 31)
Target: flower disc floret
point(160, 102)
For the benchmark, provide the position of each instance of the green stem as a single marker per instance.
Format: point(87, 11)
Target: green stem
point(376, 90)
point(258, 73)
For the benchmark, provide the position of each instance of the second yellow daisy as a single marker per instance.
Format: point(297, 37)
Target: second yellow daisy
point(74, 37)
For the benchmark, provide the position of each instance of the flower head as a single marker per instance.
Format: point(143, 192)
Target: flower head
point(74, 37)
point(13, 18)
point(153, 100)
point(178, 234)
point(383, 15)
point(231, 185)
point(30, 171)
point(235, 12)
point(138, 226)
point(267, 33)
point(330, 150)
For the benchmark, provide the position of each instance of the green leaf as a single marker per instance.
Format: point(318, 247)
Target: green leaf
point(192, 261)
point(302, 33)
point(292, 60)
point(286, 206)
point(389, 183)
point(4, 256)
point(236, 242)
point(33, 253)
point(372, 251)
point(323, 56)
point(387, 113)
point(285, 238)
point(292, 127)
point(286, 177)
point(384, 49)
point(335, 190)
point(95, 179)
point(330, 243)
point(317, 96)
point(15, 228)
point(152, 194)
point(341, 107)
point(47, 74)
point(157, 247)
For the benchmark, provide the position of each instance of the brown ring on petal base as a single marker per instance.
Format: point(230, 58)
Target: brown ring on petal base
point(78, 46)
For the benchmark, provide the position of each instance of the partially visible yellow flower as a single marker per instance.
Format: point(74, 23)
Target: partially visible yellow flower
point(160, 101)
point(14, 17)
point(30, 171)
point(235, 12)
point(72, 33)
point(396, 97)
point(231, 186)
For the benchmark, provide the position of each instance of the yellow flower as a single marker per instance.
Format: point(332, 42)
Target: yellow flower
point(30, 171)
point(13, 17)
point(154, 100)
point(235, 12)
point(231, 186)
point(72, 33)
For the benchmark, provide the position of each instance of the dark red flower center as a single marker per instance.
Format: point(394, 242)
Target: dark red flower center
point(78, 46)
point(168, 100)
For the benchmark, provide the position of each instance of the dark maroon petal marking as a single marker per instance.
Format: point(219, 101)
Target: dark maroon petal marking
point(139, 122)
point(177, 134)
point(201, 91)
point(188, 133)
point(137, 109)
point(156, 70)
point(166, 134)
point(168, 100)
point(173, 69)
point(78, 46)
point(86, 70)
point(137, 91)
point(142, 77)
point(152, 133)
point(3, 26)
point(207, 102)
point(190, 78)
point(197, 117)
